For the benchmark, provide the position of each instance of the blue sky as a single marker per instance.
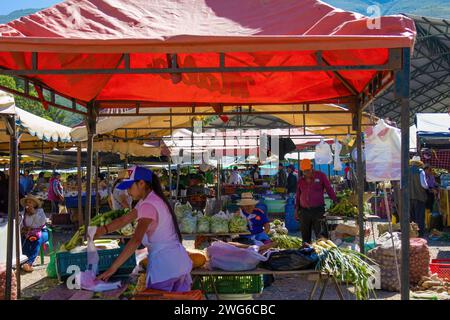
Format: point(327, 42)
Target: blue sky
point(7, 6)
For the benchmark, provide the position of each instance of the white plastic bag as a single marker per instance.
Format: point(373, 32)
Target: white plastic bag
point(323, 154)
point(227, 257)
point(337, 147)
point(383, 153)
point(188, 224)
point(219, 222)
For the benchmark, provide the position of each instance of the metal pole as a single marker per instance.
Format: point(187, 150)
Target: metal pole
point(97, 196)
point(360, 177)
point(170, 176)
point(80, 188)
point(16, 212)
point(91, 126)
point(13, 179)
point(402, 91)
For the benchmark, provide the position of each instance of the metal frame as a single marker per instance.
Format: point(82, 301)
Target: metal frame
point(398, 62)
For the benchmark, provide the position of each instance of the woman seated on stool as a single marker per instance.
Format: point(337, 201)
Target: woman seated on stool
point(258, 222)
point(34, 232)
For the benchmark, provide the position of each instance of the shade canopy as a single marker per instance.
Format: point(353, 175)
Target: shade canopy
point(95, 34)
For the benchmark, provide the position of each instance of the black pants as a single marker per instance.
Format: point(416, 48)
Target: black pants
point(311, 219)
point(417, 215)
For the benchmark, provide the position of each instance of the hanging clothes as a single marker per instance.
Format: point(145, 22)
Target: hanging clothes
point(383, 152)
point(337, 147)
point(323, 154)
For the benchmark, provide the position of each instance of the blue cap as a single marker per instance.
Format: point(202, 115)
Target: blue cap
point(136, 174)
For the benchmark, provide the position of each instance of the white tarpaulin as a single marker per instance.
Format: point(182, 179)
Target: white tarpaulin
point(431, 124)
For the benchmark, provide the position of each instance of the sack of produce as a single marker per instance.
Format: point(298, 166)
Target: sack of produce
point(228, 257)
point(219, 223)
point(277, 227)
point(3, 283)
point(288, 260)
point(203, 224)
point(419, 260)
point(182, 210)
point(238, 223)
point(188, 224)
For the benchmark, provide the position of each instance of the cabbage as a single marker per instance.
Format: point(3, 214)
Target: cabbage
point(188, 224)
point(238, 224)
point(203, 224)
point(219, 225)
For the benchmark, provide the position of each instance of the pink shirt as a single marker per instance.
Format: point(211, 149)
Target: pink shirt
point(310, 193)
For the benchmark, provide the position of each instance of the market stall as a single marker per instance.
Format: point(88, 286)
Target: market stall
point(281, 53)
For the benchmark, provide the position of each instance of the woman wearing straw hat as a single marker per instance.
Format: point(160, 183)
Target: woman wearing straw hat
point(120, 199)
point(34, 232)
point(258, 222)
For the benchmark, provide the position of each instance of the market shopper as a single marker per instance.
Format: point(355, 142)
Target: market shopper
point(418, 193)
point(169, 265)
point(433, 189)
point(291, 181)
point(258, 222)
point(40, 183)
point(34, 232)
point(281, 180)
point(235, 177)
point(256, 174)
point(310, 202)
point(348, 175)
point(26, 184)
point(56, 192)
point(120, 199)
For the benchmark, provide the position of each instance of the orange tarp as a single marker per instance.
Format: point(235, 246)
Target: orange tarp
point(79, 34)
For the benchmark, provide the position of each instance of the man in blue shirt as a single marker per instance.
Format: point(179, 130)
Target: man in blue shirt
point(258, 222)
point(26, 183)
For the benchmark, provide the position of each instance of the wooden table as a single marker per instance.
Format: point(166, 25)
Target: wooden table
point(312, 275)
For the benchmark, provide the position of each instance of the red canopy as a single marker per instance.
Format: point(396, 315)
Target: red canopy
point(82, 34)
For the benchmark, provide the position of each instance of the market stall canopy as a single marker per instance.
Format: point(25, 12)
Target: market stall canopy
point(95, 34)
point(33, 130)
point(433, 129)
point(337, 121)
point(126, 149)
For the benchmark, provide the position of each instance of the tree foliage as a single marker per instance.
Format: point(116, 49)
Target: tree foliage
point(53, 114)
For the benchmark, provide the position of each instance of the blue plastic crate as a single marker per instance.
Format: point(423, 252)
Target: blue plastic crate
point(106, 258)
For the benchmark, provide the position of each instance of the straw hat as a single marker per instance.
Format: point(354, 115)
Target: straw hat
point(416, 161)
point(247, 200)
point(36, 201)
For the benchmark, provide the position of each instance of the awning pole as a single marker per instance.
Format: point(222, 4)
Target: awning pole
point(402, 92)
point(17, 218)
point(12, 201)
point(360, 177)
point(97, 172)
point(91, 126)
point(80, 188)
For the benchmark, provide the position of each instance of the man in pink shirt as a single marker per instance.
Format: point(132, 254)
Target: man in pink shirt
point(309, 200)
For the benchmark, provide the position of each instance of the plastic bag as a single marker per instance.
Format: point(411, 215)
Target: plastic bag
point(219, 223)
point(238, 223)
point(181, 210)
point(287, 260)
point(203, 224)
point(323, 154)
point(188, 224)
point(382, 152)
point(227, 257)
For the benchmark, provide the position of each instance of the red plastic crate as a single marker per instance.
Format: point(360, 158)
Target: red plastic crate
point(441, 267)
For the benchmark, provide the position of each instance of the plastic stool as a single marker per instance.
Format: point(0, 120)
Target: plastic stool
point(48, 244)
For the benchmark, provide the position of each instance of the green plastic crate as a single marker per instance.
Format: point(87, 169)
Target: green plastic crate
point(253, 284)
point(106, 258)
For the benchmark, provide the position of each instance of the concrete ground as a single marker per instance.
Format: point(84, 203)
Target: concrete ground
point(284, 288)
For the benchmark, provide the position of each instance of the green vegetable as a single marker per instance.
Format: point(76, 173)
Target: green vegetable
point(286, 242)
point(203, 224)
point(219, 225)
point(238, 224)
point(346, 265)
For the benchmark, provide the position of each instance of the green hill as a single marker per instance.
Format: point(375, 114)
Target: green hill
point(17, 14)
point(428, 8)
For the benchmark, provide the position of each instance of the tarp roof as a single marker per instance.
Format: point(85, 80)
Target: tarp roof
point(434, 127)
point(86, 34)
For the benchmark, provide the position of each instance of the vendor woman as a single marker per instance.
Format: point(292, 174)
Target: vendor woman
point(258, 222)
point(169, 265)
point(34, 232)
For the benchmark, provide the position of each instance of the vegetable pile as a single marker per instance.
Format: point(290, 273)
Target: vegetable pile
point(3, 283)
point(286, 242)
point(277, 227)
point(219, 223)
point(419, 259)
point(345, 207)
point(345, 265)
point(433, 284)
point(238, 223)
point(98, 221)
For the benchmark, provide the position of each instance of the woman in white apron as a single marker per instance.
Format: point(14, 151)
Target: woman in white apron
point(169, 266)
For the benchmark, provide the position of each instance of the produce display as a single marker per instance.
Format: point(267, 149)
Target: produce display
point(188, 224)
point(98, 221)
point(432, 287)
point(220, 223)
point(238, 223)
point(182, 210)
point(419, 259)
point(345, 265)
point(3, 283)
point(286, 242)
point(439, 235)
point(203, 224)
point(277, 227)
point(345, 207)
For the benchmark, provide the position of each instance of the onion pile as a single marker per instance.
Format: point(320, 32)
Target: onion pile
point(419, 260)
point(3, 283)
